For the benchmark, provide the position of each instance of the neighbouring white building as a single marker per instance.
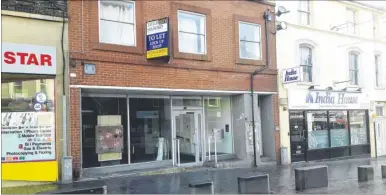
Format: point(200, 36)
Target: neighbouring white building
point(332, 61)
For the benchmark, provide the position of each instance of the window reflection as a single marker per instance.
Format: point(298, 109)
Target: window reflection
point(358, 127)
point(218, 117)
point(317, 130)
point(18, 95)
point(150, 129)
point(339, 128)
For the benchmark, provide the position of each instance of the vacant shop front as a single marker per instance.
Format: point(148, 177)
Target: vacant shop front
point(153, 130)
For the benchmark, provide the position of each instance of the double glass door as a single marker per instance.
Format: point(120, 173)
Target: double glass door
point(187, 136)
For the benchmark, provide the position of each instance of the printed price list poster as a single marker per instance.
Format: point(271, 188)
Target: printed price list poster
point(28, 136)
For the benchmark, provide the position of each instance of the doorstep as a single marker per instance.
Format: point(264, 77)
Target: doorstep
point(142, 172)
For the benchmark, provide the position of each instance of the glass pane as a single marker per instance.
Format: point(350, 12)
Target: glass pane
point(351, 16)
point(249, 32)
point(351, 28)
point(119, 11)
point(117, 33)
point(379, 111)
point(19, 95)
point(192, 23)
point(186, 134)
point(150, 129)
point(187, 102)
point(317, 130)
point(191, 43)
point(102, 111)
point(250, 50)
point(27, 119)
point(378, 78)
point(353, 61)
point(218, 117)
point(339, 128)
point(305, 55)
point(304, 5)
point(307, 73)
point(304, 18)
point(353, 78)
point(358, 127)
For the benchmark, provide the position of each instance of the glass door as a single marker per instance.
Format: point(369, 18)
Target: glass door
point(187, 127)
point(297, 136)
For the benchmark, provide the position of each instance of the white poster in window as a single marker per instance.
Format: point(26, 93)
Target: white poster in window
point(28, 136)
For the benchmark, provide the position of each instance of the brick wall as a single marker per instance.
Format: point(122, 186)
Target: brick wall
point(126, 66)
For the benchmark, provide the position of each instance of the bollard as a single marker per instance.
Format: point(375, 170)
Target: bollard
point(258, 184)
point(311, 177)
point(383, 170)
point(365, 173)
point(202, 187)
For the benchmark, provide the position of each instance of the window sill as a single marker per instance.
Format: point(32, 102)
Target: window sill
point(192, 56)
point(243, 61)
point(354, 86)
point(379, 88)
point(307, 84)
point(118, 48)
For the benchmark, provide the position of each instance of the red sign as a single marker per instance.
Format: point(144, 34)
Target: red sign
point(32, 59)
point(27, 58)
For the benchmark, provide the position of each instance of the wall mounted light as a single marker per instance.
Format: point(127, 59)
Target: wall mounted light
point(281, 10)
point(281, 26)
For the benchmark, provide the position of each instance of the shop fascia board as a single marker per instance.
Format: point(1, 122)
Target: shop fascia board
point(32, 16)
point(166, 91)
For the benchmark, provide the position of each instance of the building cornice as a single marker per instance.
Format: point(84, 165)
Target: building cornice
point(364, 6)
point(337, 33)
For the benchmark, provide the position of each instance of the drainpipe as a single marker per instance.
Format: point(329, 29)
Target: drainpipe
point(266, 19)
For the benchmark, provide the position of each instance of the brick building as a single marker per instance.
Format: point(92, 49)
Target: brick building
point(171, 112)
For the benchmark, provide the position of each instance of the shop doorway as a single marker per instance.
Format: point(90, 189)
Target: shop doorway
point(188, 131)
point(380, 130)
point(298, 135)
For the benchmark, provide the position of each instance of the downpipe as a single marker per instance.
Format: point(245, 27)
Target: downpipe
point(258, 71)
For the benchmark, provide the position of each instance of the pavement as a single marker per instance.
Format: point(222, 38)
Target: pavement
point(342, 180)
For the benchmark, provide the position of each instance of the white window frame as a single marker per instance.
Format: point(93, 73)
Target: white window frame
point(259, 41)
point(205, 35)
point(351, 22)
point(307, 12)
point(356, 70)
point(307, 65)
point(134, 23)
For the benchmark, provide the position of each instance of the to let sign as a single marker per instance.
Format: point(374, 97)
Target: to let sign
point(157, 38)
point(29, 59)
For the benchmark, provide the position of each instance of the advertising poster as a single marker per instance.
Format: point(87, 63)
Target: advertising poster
point(28, 136)
point(109, 139)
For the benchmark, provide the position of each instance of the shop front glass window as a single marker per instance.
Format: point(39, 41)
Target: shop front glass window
point(317, 130)
point(19, 95)
point(150, 129)
point(358, 127)
point(339, 128)
point(27, 119)
point(104, 131)
point(218, 123)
